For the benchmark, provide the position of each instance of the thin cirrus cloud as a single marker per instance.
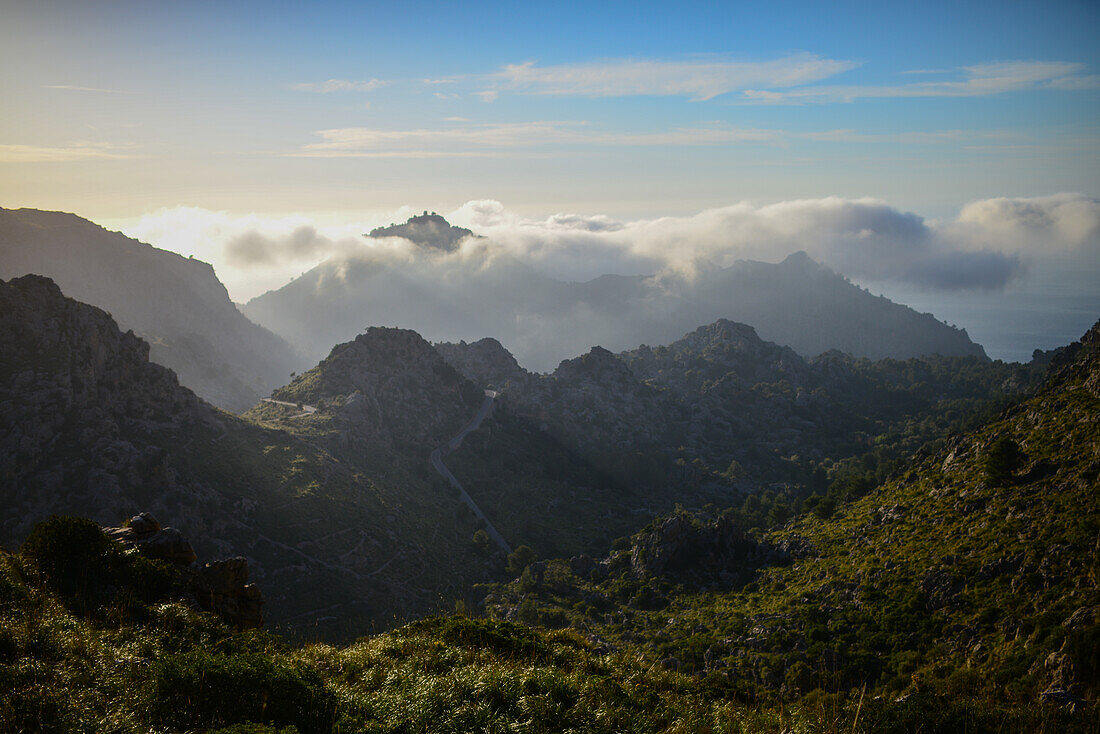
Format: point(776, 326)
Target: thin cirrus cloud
point(60, 154)
point(339, 85)
point(74, 88)
point(979, 80)
point(465, 140)
point(698, 79)
point(452, 141)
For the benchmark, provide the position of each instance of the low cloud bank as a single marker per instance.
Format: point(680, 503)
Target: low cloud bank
point(989, 244)
point(862, 238)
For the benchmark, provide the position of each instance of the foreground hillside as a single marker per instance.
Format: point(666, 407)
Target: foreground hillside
point(176, 304)
point(95, 640)
point(975, 572)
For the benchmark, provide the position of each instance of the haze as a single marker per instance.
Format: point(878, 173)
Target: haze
point(945, 156)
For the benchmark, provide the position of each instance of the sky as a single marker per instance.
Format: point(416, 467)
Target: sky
point(970, 132)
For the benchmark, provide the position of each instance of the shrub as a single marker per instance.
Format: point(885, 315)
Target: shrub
point(198, 689)
point(520, 559)
point(75, 559)
point(1002, 460)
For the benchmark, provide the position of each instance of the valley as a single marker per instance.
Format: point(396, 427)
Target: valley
point(752, 526)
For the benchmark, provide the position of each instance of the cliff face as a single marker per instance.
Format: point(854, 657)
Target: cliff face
point(84, 411)
point(177, 304)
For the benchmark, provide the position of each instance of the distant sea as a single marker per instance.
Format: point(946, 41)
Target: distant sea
point(1046, 308)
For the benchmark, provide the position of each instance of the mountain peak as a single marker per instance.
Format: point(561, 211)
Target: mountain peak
point(398, 384)
point(598, 365)
point(801, 259)
point(426, 230)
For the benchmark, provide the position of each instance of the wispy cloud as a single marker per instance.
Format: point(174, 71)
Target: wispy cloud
point(60, 154)
point(979, 80)
point(698, 79)
point(74, 88)
point(465, 139)
point(339, 85)
point(456, 140)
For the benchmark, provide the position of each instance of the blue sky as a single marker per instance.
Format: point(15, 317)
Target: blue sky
point(926, 104)
point(349, 114)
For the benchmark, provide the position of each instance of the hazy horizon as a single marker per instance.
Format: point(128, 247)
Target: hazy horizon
point(947, 156)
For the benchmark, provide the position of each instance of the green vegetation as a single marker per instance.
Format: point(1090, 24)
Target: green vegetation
point(939, 586)
point(67, 670)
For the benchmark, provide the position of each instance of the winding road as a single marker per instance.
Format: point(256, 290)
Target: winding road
point(454, 443)
point(306, 409)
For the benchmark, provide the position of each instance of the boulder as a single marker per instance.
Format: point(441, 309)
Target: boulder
point(222, 587)
point(147, 535)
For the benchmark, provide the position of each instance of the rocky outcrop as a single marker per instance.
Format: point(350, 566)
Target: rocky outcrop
point(680, 543)
point(388, 386)
point(716, 351)
point(426, 230)
point(220, 587)
point(487, 364)
point(146, 535)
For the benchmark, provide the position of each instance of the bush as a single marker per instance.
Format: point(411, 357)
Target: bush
point(199, 689)
point(1002, 460)
point(502, 638)
point(75, 559)
point(520, 559)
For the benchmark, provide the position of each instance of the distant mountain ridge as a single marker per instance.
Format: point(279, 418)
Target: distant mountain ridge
point(449, 297)
point(176, 303)
point(723, 404)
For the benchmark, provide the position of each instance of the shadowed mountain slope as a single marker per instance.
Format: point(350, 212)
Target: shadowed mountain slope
point(90, 427)
point(177, 304)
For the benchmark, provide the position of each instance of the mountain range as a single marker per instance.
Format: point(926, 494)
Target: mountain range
point(465, 288)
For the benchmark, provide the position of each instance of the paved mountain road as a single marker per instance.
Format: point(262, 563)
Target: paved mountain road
point(306, 409)
point(454, 443)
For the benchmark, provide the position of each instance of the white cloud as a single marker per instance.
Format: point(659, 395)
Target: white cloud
point(989, 244)
point(481, 139)
point(861, 238)
point(253, 253)
point(60, 154)
point(74, 88)
point(339, 85)
point(452, 140)
point(699, 79)
point(978, 80)
point(1041, 224)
